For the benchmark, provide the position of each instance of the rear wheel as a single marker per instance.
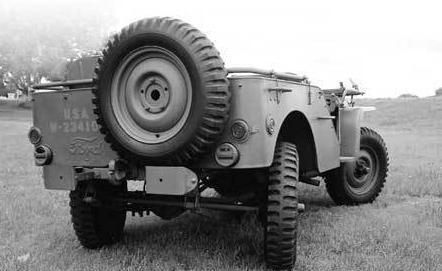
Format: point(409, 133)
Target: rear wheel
point(282, 208)
point(96, 224)
point(360, 181)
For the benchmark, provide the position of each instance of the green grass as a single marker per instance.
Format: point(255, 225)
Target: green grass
point(402, 230)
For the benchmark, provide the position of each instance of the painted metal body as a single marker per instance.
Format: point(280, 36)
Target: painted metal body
point(68, 126)
point(259, 100)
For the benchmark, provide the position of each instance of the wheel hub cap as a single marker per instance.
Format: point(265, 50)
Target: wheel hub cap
point(363, 172)
point(151, 94)
point(155, 95)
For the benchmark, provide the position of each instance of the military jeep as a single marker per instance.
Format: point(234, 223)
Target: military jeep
point(157, 106)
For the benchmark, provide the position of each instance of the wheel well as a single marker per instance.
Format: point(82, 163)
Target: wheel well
point(296, 129)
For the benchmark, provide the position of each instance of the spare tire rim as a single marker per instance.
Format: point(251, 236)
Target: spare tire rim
point(362, 174)
point(151, 94)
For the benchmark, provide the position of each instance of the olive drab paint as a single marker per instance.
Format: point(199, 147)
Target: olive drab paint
point(70, 129)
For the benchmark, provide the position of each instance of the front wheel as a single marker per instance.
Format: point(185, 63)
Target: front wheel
point(360, 181)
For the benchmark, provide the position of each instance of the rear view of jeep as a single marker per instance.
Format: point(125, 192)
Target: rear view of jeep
point(158, 107)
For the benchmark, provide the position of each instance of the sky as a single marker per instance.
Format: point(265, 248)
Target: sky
point(387, 47)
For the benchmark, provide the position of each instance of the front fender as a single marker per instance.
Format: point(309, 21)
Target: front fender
point(349, 124)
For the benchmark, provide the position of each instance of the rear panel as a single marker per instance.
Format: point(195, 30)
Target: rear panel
point(69, 129)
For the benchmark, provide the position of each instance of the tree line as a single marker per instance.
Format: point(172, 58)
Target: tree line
point(36, 46)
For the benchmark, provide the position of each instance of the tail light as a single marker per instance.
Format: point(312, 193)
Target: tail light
point(34, 135)
point(240, 130)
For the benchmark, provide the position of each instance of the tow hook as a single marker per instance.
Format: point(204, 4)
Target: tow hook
point(116, 172)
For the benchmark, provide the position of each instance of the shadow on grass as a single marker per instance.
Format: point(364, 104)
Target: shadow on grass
point(191, 240)
point(314, 198)
point(215, 238)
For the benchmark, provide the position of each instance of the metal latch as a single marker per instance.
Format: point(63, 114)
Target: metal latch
point(278, 91)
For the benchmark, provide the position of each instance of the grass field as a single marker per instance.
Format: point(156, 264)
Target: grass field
point(402, 230)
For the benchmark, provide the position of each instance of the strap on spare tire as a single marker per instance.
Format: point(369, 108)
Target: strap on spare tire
point(161, 94)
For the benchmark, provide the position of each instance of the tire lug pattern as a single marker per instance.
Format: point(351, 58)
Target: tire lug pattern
point(335, 180)
point(95, 226)
point(282, 212)
point(213, 80)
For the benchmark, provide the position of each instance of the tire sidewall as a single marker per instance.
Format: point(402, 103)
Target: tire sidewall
point(100, 225)
point(368, 141)
point(281, 245)
point(198, 102)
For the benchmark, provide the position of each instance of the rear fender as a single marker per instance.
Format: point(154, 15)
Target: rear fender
point(271, 108)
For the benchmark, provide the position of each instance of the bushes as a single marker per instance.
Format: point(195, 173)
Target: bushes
point(12, 104)
point(25, 104)
point(407, 95)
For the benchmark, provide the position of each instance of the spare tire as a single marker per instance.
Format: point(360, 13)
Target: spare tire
point(161, 93)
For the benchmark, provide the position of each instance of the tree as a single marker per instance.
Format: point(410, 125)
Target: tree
point(3, 82)
point(438, 92)
point(36, 37)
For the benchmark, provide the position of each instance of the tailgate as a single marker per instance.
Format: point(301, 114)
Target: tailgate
point(68, 127)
